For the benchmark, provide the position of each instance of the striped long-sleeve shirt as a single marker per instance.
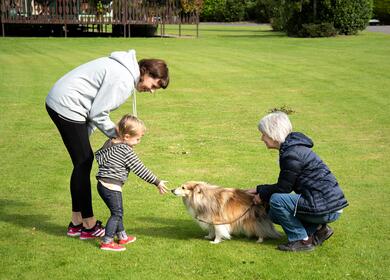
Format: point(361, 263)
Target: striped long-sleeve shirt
point(116, 161)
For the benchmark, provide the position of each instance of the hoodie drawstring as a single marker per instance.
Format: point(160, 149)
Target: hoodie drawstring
point(134, 104)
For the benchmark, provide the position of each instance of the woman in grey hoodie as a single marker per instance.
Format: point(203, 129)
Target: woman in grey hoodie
point(80, 102)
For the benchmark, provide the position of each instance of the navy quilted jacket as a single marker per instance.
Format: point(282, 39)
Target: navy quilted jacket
point(303, 172)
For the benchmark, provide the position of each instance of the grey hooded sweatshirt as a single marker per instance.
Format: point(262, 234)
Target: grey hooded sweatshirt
point(91, 91)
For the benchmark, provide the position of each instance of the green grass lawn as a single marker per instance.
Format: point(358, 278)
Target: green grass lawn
point(203, 127)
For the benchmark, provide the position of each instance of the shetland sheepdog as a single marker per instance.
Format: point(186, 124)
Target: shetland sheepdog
point(225, 211)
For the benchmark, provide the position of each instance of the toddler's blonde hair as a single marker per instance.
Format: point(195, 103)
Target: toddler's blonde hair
point(131, 125)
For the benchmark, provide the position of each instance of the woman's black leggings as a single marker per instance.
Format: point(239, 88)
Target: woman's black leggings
point(75, 137)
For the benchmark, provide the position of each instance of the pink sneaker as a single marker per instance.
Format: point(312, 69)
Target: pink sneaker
point(74, 230)
point(130, 239)
point(97, 231)
point(112, 247)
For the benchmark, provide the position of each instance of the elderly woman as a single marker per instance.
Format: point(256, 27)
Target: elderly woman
point(317, 199)
point(80, 102)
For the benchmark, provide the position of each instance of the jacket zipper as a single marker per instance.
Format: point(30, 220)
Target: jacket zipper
point(296, 206)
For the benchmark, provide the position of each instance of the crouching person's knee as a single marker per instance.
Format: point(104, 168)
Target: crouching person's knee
point(275, 200)
point(274, 208)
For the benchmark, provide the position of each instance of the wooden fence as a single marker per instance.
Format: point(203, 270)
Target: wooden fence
point(118, 13)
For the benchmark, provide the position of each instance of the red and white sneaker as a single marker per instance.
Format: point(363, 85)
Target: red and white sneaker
point(97, 231)
point(129, 239)
point(112, 247)
point(74, 230)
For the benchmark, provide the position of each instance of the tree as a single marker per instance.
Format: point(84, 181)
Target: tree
point(382, 10)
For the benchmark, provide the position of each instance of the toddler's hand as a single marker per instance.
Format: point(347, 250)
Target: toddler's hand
point(162, 188)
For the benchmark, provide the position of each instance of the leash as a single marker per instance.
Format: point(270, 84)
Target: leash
point(134, 103)
point(230, 222)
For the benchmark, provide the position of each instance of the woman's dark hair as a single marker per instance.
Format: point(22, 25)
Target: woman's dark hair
point(156, 69)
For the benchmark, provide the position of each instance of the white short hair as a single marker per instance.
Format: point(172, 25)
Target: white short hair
point(276, 125)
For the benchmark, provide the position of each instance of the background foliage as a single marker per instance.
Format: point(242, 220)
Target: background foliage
point(302, 18)
point(382, 11)
point(239, 10)
point(350, 16)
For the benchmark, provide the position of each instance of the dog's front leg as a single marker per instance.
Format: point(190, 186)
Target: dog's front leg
point(221, 232)
point(211, 234)
point(217, 239)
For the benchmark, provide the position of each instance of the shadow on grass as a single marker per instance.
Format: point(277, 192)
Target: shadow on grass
point(179, 229)
point(258, 35)
point(160, 227)
point(11, 212)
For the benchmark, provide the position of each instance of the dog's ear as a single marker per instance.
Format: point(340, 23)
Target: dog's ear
point(198, 188)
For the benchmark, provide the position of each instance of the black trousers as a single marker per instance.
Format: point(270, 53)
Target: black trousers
point(75, 137)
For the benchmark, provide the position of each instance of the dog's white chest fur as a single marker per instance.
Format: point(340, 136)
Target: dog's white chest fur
point(191, 211)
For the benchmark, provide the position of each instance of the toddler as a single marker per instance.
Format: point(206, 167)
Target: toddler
point(116, 159)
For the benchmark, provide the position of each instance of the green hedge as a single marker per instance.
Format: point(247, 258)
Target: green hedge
point(351, 16)
point(223, 10)
point(346, 16)
point(212, 10)
point(324, 29)
point(299, 17)
point(235, 10)
point(281, 12)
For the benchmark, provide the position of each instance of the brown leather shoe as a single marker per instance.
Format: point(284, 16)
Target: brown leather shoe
point(324, 233)
point(297, 246)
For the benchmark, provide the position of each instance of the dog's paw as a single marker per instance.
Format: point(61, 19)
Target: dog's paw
point(209, 237)
point(260, 240)
point(216, 241)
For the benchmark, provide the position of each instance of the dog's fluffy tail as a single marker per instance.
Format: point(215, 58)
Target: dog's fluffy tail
point(267, 229)
point(264, 224)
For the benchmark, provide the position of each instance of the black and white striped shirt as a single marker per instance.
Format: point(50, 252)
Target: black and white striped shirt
point(117, 160)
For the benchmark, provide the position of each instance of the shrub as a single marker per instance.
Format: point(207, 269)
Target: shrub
point(280, 13)
point(213, 10)
point(351, 16)
point(315, 16)
point(223, 10)
point(258, 10)
point(234, 10)
point(324, 29)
